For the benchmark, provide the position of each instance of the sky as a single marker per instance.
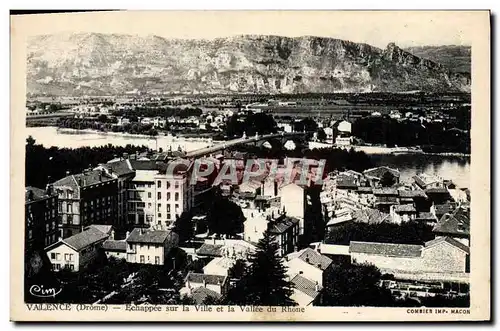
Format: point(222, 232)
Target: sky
point(377, 28)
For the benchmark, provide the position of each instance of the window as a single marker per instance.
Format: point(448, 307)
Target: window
point(52, 256)
point(159, 215)
point(149, 204)
point(159, 195)
point(159, 206)
point(159, 222)
point(168, 208)
point(176, 196)
point(71, 257)
point(58, 266)
point(176, 207)
point(176, 185)
point(47, 227)
point(141, 259)
point(168, 196)
point(168, 216)
point(30, 234)
point(149, 195)
point(168, 184)
point(159, 184)
point(70, 195)
point(58, 256)
point(71, 267)
point(53, 213)
point(60, 207)
point(157, 260)
point(66, 257)
point(69, 208)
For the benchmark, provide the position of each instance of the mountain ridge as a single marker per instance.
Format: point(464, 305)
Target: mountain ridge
point(96, 63)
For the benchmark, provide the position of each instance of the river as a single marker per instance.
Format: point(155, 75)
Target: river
point(455, 168)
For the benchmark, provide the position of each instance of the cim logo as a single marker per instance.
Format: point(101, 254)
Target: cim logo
point(41, 292)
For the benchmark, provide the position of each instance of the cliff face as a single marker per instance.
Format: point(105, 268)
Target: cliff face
point(456, 58)
point(73, 64)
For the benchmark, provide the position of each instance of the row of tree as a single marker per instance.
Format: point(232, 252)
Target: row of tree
point(148, 111)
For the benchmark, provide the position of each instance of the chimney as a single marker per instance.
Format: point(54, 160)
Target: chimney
point(48, 189)
point(204, 283)
point(112, 236)
point(67, 173)
point(127, 234)
point(100, 176)
point(316, 287)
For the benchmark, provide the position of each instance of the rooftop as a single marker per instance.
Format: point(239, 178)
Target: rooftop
point(209, 250)
point(282, 224)
point(385, 249)
point(120, 167)
point(455, 223)
point(312, 257)
point(423, 180)
point(84, 179)
point(201, 293)
point(305, 286)
point(370, 216)
point(146, 236)
point(448, 240)
point(411, 194)
point(385, 191)
point(379, 172)
point(198, 278)
point(101, 227)
point(115, 245)
point(37, 193)
point(84, 239)
point(408, 208)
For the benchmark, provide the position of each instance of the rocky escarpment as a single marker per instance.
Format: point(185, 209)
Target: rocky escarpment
point(91, 63)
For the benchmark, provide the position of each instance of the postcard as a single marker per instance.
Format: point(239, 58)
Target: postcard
point(250, 166)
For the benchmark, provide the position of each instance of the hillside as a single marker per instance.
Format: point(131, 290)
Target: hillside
point(455, 58)
point(91, 63)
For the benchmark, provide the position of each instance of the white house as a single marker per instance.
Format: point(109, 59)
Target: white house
point(148, 246)
point(344, 127)
point(75, 252)
point(293, 201)
point(216, 283)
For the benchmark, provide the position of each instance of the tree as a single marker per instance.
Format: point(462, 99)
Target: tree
point(225, 217)
point(387, 179)
point(321, 134)
point(237, 270)
point(354, 285)
point(183, 226)
point(265, 283)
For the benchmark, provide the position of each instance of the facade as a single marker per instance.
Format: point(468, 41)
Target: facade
point(77, 251)
point(147, 246)
point(455, 224)
point(293, 202)
point(309, 264)
point(286, 231)
point(41, 218)
point(84, 199)
point(375, 175)
point(120, 169)
point(156, 198)
point(216, 283)
point(441, 255)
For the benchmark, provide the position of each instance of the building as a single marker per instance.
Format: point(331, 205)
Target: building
point(402, 213)
point(115, 248)
point(147, 246)
point(156, 197)
point(77, 251)
point(41, 218)
point(293, 202)
point(286, 231)
point(441, 255)
point(84, 199)
point(425, 181)
point(214, 283)
point(121, 169)
point(455, 225)
point(375, 175)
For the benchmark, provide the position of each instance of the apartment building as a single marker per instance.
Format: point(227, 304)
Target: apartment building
point(40, 218)
point(84, 199)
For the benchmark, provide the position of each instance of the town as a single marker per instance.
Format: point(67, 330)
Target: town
point(266, 215)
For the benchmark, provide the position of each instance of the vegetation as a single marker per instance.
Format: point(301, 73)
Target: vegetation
point(150, 111)
point(251, 124)
point(44, 163)
point(265, 282)
point(225, 217)
point(103, 123)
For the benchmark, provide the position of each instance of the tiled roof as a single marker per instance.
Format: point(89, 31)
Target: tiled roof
point(120, 168)
point(380, 171)
point(405, 208)
point(38, 193)
point(385, 249)
point(346, 182)
point(282, 224)
point(85, 179)
point(370, 216)
point(450, 241)
point(427, 216)
point(209, 279)
point(444, 208)
point(209, 250)
point(305, 286)
point(85, 238)
point(101, 227)
point(411, 194)
point(314, 258)
point(115, 245)
point(437, 190)
point(148, 236)
point(456, 223)
point(423, 180)
point(363, 189)
point(145, 164)
point(199, 294)
point(385, 191)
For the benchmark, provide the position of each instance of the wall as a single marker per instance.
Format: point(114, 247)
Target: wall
point(301, 298)
point(397, 263)
point(118, 255)
point(308, 271)
point(443, 257)
point(63, 249)
point(149, 251)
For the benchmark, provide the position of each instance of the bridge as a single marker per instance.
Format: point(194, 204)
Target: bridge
point(244, 140)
